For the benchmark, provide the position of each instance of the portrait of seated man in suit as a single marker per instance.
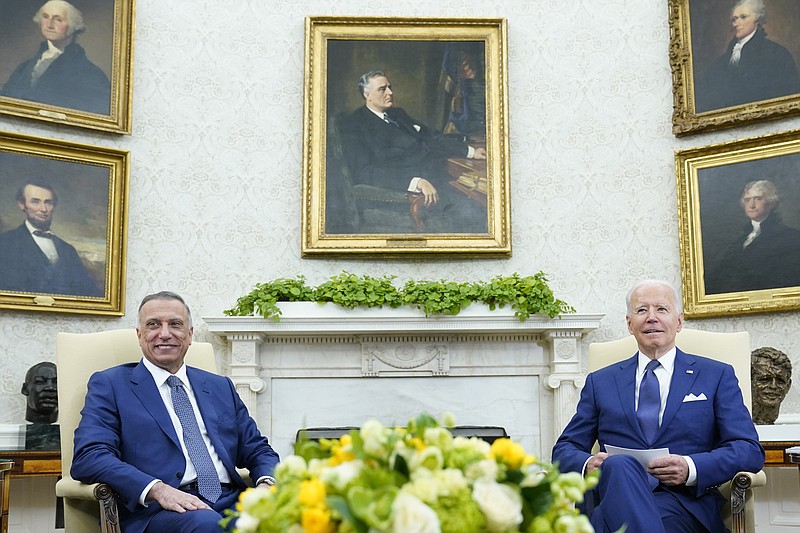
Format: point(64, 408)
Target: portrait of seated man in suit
point(763, 254)
point(752, 68)
point(660, 397)
point(386, 147)
point(34, 259)
point(60, 73)
point(771, 376)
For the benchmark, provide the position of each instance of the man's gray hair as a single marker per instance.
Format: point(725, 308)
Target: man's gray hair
point(757, 6)
point(364, 80)
point(654, 283)
point(74, 16)
point(165, 295)
point(766, 187)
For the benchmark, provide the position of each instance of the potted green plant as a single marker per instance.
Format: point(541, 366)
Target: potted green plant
point(527, 295)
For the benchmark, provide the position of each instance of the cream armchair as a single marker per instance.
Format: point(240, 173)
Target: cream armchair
point(78, 356)
point(732, 348)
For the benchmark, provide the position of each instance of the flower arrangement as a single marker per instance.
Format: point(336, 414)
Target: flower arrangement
point(419, 478)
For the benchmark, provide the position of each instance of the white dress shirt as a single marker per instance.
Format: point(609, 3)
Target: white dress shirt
point(160, 377)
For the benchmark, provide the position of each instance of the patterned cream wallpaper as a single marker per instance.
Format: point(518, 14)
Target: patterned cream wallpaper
point(216, 162)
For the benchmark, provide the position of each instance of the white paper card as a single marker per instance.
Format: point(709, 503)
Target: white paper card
point(643, 456)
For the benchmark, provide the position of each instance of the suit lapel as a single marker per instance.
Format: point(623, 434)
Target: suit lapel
point(683, 376)
point(626, 385)
point(143, 386)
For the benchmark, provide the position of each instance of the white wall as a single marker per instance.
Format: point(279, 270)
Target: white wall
point(216, 162)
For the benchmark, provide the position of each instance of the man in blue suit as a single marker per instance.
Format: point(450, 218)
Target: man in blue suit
point(134, 437)
point(689, 404)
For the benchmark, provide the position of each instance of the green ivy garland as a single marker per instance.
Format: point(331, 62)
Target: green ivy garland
point(528, 295)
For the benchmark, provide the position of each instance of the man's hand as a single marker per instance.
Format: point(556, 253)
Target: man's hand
point(480, 153)
point(595, 461)
point(174, 499)
point(670, 470)
point(428, 192)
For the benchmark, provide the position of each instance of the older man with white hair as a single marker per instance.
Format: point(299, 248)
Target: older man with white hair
point(765, 254)
point(59, 73)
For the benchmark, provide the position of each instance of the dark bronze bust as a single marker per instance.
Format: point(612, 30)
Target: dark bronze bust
point(771, 376)
point(40, 388)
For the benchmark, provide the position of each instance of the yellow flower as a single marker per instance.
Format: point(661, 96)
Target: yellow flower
point(341, 451)
point(312, 492)
point(317, 520)
point(510, 453)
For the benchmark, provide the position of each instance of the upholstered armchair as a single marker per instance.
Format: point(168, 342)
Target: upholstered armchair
point(732, 348)
point(353, 207)
point(78, 356)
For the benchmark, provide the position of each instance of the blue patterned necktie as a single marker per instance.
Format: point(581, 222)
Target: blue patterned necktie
point(207, 479)
point(649, 402)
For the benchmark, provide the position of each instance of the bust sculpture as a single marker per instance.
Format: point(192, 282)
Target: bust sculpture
point(40, 388)
point(771, 376)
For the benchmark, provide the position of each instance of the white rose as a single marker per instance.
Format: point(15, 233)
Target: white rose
point(410, 515)
point(246, 523)
point(339, 476)
point(486, 468)
point(501, 505)
point(252, 497)
point(293, 466)
point(374, 436)
point(430, 458)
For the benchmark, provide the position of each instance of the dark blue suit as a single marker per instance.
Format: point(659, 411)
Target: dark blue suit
point(70, 81)
point(717, 433)
point(126, 439)
point(25, 268)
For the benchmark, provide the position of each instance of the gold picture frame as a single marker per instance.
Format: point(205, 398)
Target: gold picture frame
point(80, 194)
point(727, 265)
point(708, 92)
point(89, 84)
point(451, 75)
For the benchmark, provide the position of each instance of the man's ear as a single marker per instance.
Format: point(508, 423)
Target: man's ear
point(25, 388)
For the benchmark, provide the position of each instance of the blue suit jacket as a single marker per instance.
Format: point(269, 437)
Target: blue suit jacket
point(126, 439)
point(717, 433)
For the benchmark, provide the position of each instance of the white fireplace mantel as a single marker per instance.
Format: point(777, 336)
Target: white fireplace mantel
point(322, 365)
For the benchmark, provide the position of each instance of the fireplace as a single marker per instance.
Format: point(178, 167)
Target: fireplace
point(324, 366)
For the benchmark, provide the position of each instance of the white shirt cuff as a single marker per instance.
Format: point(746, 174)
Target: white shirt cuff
point(691, 481)
point(143, 495)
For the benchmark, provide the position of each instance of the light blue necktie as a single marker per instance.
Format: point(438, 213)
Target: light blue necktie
point(649, 402)
point(207, 479)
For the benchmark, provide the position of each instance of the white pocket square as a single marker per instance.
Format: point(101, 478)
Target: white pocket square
point(692, 398)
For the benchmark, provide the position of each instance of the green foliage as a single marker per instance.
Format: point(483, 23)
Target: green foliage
point(262, 299)
point(529, 295)
point(351, 291)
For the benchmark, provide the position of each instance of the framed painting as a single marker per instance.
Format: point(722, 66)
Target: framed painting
point(63, 226)
point(68, 62)
point(739, 226)
point(405, 141)
point(733, 63)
